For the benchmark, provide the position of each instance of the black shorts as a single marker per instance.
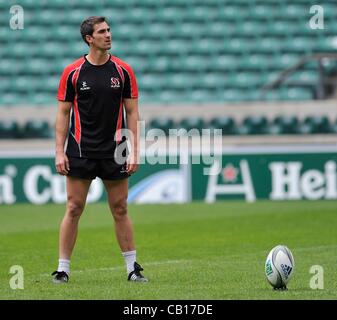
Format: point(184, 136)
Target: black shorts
point(106, 169)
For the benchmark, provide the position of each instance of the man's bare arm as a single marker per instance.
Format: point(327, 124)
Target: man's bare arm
point(61, 132)
point(132, 118)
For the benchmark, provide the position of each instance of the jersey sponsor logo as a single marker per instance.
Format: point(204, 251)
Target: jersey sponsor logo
point(115, 83)
point(84, 86)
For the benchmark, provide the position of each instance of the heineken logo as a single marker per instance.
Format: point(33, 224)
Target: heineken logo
point(291, 182)
point(230, 173)
point(288, 181)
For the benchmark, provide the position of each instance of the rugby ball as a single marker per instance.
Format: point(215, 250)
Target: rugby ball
point(279, 267)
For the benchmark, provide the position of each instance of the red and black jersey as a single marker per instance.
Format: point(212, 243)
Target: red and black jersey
point(97, 93)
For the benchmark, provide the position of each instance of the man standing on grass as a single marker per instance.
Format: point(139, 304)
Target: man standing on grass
point(96, 88)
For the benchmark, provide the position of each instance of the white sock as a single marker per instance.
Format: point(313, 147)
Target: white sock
point(64, 265)
point(130, 258)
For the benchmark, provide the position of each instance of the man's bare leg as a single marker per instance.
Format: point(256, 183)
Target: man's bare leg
point(117, 191)
point(77, 191)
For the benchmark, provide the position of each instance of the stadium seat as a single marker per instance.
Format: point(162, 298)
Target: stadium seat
point(38, 67)
point(192, 123)
point(281, 28)
point(26, 84)
point(160, 65)
point(250, 28)
point(37, 129)
point(267, 45)
point(232, 95)
point(19, 51)
point(254, 124)
point(285, 124)
point(305, 128)
point(216, 29)
point(303, 77)
point(62, 34)
point(151, 82)
point(140, 65)
point(274, 129)
point(33, 34)
point(226, 63)
point(41, 98)
point(145, 47)
point(256, 63)
point(175, 47)
point(53, 51)
point(326, 44)
point(51, 84)
point(283, 61)
point(4, 33)
point(232, 13)
point(205, 95)
point(180, 81)
point(10, 99)
point(213, 80)
point(29, 3)
point(303, 45)
point(201, 13)
point(156, 31)
point(244, 80)
point(263, 12)
point(169, 15)
point(162, 123)
point(6, 84)
point(294, 11)
point(225, 123)
point(51, 16)
point(87, 4)
point(75, 16)
point(6, 67)
point(194, 62)
point(168, 96)
point(9, 129)
point(238, 46)
point(122, 4)
point(296, 94)
point(318, 123)
point(333, 127)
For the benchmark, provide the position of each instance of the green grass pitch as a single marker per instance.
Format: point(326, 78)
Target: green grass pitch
point(188, 251)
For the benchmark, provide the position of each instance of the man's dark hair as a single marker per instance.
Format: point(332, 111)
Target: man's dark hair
point(87, 26)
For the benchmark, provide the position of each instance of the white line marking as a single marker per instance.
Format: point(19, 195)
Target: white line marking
point(229, 257)
point(155, 263)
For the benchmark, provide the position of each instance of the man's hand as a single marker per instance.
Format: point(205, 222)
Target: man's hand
point(62, 163)
point(132, 164)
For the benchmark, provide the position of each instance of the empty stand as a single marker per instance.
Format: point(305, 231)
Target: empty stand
point(250, 125)
point(187, 51)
